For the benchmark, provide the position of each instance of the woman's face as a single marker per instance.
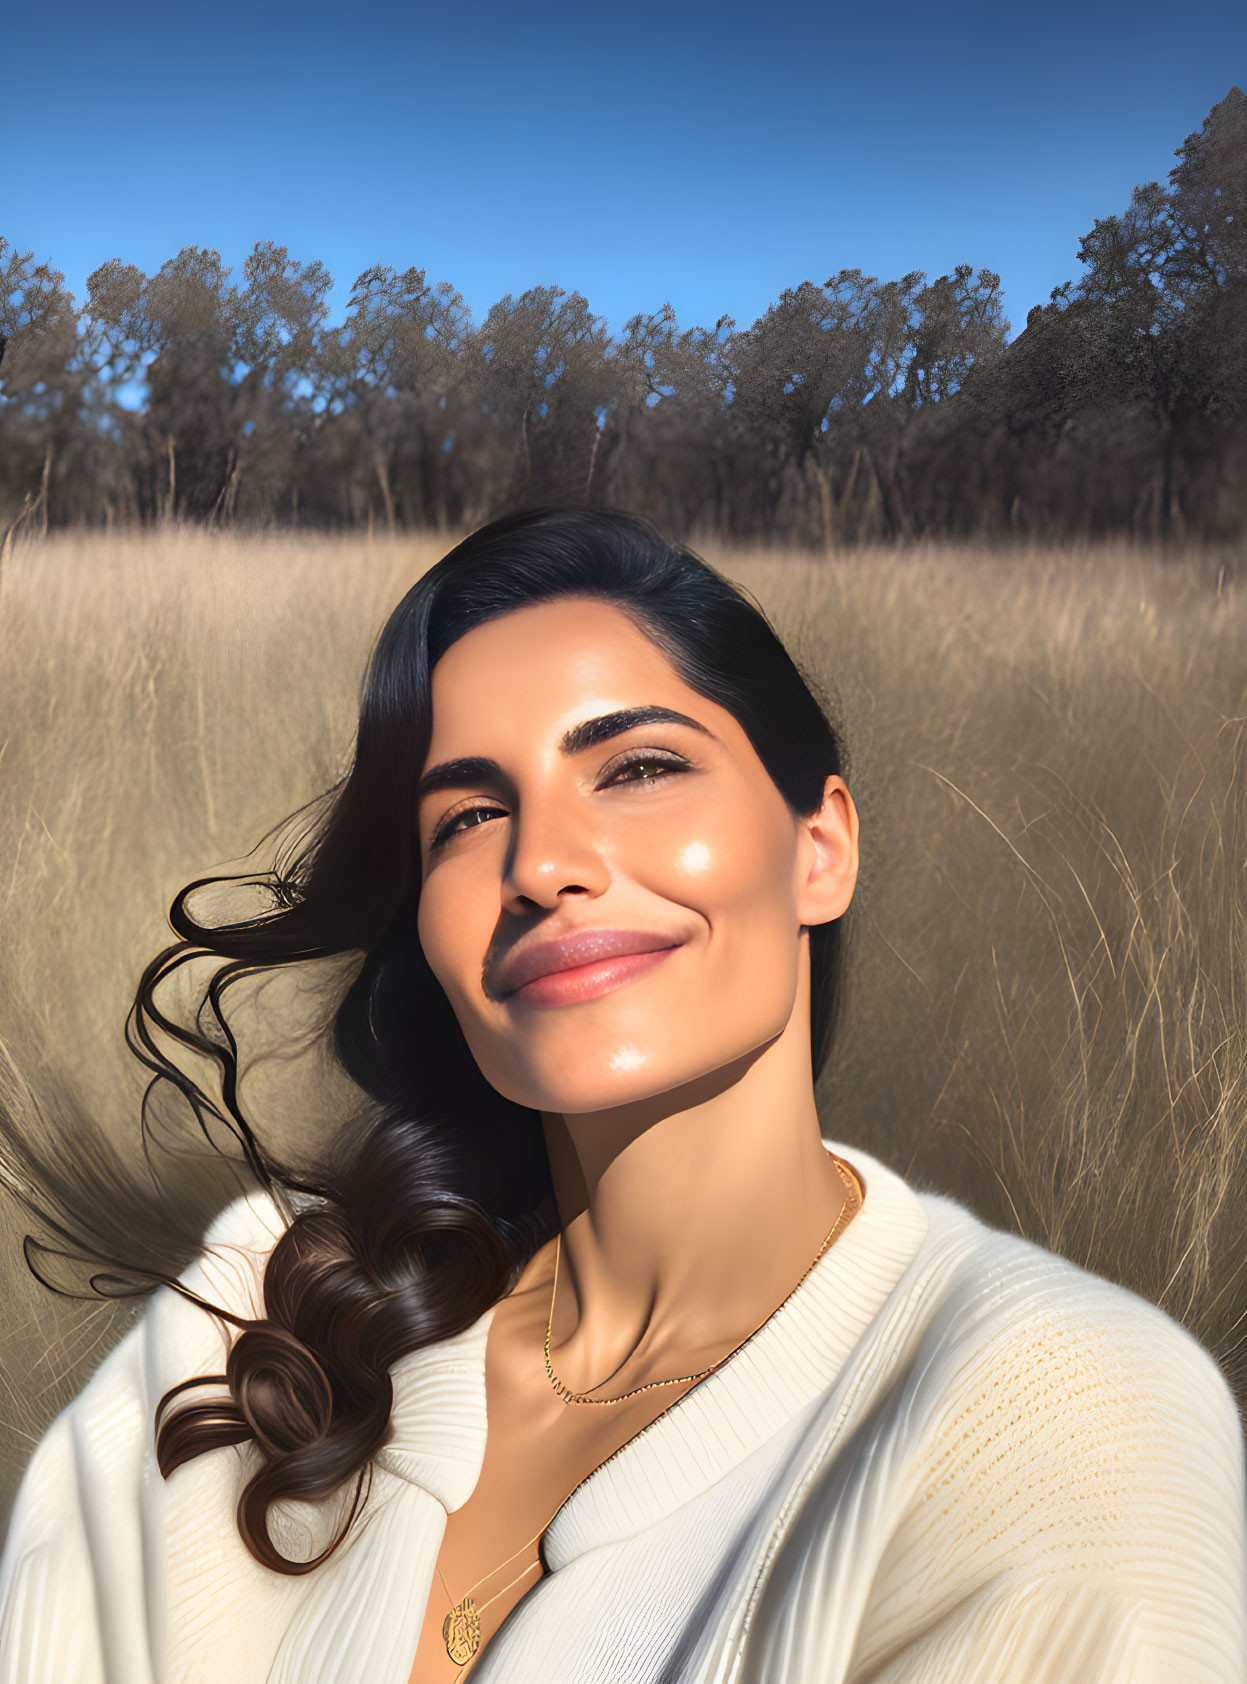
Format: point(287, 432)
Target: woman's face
point(581, 802)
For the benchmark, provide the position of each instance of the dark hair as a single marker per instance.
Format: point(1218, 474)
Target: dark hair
point(430, 1206)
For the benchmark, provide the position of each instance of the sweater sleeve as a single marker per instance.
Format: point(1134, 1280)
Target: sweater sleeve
point(83, 1578)
point(1079, 1511)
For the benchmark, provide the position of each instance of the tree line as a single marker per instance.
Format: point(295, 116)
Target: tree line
point(856, 410)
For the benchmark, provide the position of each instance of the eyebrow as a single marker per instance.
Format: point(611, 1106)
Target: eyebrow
point(475, 768)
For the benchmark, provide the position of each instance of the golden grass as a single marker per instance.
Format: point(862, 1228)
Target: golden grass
point(1046, 988)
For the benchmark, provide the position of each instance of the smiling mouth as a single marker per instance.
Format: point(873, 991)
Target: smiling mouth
point(573, 949)
point(586, 982)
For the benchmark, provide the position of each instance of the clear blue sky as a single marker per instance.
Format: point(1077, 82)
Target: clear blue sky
point(709, 155)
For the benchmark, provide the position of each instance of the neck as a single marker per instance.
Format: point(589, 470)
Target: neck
point(686, 1219)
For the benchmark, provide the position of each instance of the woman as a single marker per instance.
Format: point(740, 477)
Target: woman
point(583, 1359)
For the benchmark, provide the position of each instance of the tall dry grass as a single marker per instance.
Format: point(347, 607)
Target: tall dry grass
point(1046, 975)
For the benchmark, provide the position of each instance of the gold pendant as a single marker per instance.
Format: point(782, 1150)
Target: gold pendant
point(461, 1631)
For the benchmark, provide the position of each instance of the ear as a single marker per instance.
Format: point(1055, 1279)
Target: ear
point(827, 856)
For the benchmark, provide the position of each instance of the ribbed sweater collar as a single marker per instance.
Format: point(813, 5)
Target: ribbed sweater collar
point(439, 1424)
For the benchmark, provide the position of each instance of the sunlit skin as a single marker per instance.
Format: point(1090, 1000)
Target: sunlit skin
point(676, 1092)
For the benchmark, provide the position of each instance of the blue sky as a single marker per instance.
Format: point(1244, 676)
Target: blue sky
point(704, 155)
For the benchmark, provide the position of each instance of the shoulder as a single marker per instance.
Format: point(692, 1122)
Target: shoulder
point(978, 1318)
point(92, 1505)
point(229, 1270)
point(176, 1338)
point(181, 1334)
point(1049, 1452)
point(1070, 1421)
point(1008, 1306)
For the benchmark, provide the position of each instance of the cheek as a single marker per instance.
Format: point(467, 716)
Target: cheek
point(737, 873)
point(445, 933)
point(695, 860)
point(727, 866)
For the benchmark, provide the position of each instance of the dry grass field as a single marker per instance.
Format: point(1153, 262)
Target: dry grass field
point(1046, 986)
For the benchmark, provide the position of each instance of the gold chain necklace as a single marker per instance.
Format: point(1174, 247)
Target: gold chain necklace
point(849, 1209)
point(461, 1629)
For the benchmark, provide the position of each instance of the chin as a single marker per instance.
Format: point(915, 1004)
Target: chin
point(619, 1078)
point(626, 1072)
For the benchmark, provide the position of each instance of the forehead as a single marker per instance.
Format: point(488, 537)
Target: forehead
point(547, 662)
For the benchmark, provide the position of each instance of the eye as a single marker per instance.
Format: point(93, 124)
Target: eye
point(453, 823)
point(648, 766)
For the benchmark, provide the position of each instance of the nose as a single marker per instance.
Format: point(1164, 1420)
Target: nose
point(554, 849)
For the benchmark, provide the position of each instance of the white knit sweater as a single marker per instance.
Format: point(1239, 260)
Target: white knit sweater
point(949, 1456)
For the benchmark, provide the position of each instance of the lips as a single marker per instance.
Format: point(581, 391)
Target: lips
point(585, 947)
